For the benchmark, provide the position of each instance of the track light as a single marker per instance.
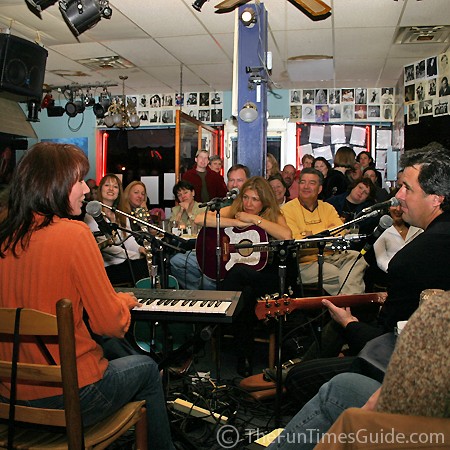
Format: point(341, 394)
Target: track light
point(249, 112)
point(248, 17)
point(198, 4)
point(38, 6)
point(73, 108)
point(33, 110)
point(80, 15)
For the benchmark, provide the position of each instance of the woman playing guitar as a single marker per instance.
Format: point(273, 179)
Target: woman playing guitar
point(255, 205)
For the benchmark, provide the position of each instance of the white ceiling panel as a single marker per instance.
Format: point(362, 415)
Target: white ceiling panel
point(158, 35)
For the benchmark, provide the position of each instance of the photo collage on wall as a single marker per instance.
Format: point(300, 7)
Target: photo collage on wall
point(427, 89)
point(342, 105)
point(160, 108)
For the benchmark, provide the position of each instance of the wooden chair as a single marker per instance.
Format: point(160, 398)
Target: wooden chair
point(30, 423)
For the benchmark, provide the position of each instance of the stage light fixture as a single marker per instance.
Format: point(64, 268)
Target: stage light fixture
point(198, 4)
point(38, 6)
point(33, 110)
point(80, 15)
point(249, 112)
point(74, 108)
point(248, 17)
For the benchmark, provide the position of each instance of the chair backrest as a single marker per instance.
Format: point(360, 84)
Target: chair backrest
point(41, 325)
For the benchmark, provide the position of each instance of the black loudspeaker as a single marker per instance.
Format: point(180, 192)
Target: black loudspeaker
point(22, 68)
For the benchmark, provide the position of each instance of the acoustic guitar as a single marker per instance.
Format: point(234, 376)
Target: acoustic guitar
point(255, 257)
point(271, 308)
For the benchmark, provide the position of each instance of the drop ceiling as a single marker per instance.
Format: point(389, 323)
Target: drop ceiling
point(165, 44)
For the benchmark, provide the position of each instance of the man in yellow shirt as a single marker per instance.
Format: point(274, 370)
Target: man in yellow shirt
point(306, 215)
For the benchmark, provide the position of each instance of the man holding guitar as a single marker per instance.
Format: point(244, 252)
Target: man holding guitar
point(255, 206)
point(422, 264)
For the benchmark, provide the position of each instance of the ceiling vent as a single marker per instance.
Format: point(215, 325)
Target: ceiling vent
point(422, 35)
point(106, 62)
point(310, 68)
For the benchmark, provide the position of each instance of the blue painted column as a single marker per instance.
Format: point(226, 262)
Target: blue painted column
point(252, 87)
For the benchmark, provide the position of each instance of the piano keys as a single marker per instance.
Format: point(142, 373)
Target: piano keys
point(179, 305)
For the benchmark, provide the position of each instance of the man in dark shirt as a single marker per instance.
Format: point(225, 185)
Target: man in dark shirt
point(207, 183)
point(422, 264)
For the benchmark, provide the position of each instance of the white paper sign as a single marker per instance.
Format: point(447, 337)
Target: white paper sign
point(358, 136)
point(338, 134)
point(383, 138)
point(169, 183)
point(324, 151)
point(152, 187)
point(316, 134)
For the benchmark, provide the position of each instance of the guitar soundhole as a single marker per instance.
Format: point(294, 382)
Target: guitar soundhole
point(245, 251)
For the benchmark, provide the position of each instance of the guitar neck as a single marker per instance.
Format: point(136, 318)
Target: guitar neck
point(280, 307)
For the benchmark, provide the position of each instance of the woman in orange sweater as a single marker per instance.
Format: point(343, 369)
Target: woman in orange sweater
point(45, 256)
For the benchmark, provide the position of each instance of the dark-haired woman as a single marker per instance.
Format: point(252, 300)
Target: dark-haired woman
point(46, 256)
point(255, 205)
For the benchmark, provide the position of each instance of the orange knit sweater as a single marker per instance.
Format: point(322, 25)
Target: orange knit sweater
point(63, 261)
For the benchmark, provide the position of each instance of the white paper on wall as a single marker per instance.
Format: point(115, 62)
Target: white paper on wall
point(324, 151)
point(169, 183)
point(383, 138)
point(152, 187)
point(358, 136)
point(380, 159)
point(316, 134)
point(338, 134)
point(306, 150)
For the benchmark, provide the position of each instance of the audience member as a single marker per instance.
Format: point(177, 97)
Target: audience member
point(330, 178)
point(272, 166)
point(279, 188)
point(381, 195)
point(122, 257)
point(255, 205)
point(237, 175)
point(207, 183)
point(187, 208)
point(289, 175)
point(394, 238)
point(307, 161)
point(350, 204)
point(307, 215)
point(45, 256)
point(135, 200)
point(215, 163)
point(366, 160)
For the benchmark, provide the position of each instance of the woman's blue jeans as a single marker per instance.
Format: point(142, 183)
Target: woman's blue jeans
point(126, 379)
point(343, 391)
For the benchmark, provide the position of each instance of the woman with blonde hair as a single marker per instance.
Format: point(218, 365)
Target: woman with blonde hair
point(272, 166)
point(255, 205)
point(122, 256)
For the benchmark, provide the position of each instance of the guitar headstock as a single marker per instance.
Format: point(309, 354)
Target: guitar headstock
point(272, 306)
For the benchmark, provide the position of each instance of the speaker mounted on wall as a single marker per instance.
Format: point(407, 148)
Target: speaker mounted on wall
point(22, 68)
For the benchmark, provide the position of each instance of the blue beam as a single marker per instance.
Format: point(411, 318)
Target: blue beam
point(252, 87)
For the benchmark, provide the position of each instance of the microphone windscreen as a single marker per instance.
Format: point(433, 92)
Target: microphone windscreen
point(395, 201)
point(386, 221)
point(94, 208)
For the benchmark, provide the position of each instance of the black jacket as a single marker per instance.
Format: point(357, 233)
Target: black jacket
point(422, 264)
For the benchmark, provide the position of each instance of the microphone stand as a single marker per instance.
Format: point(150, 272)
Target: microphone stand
point(283, 248)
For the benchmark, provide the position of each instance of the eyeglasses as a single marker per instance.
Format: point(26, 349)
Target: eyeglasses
point(313, 219)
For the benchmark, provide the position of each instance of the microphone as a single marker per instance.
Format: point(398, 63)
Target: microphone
point(232, 194)
point(380, 206)
point(385, 222)
point(94, 209)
